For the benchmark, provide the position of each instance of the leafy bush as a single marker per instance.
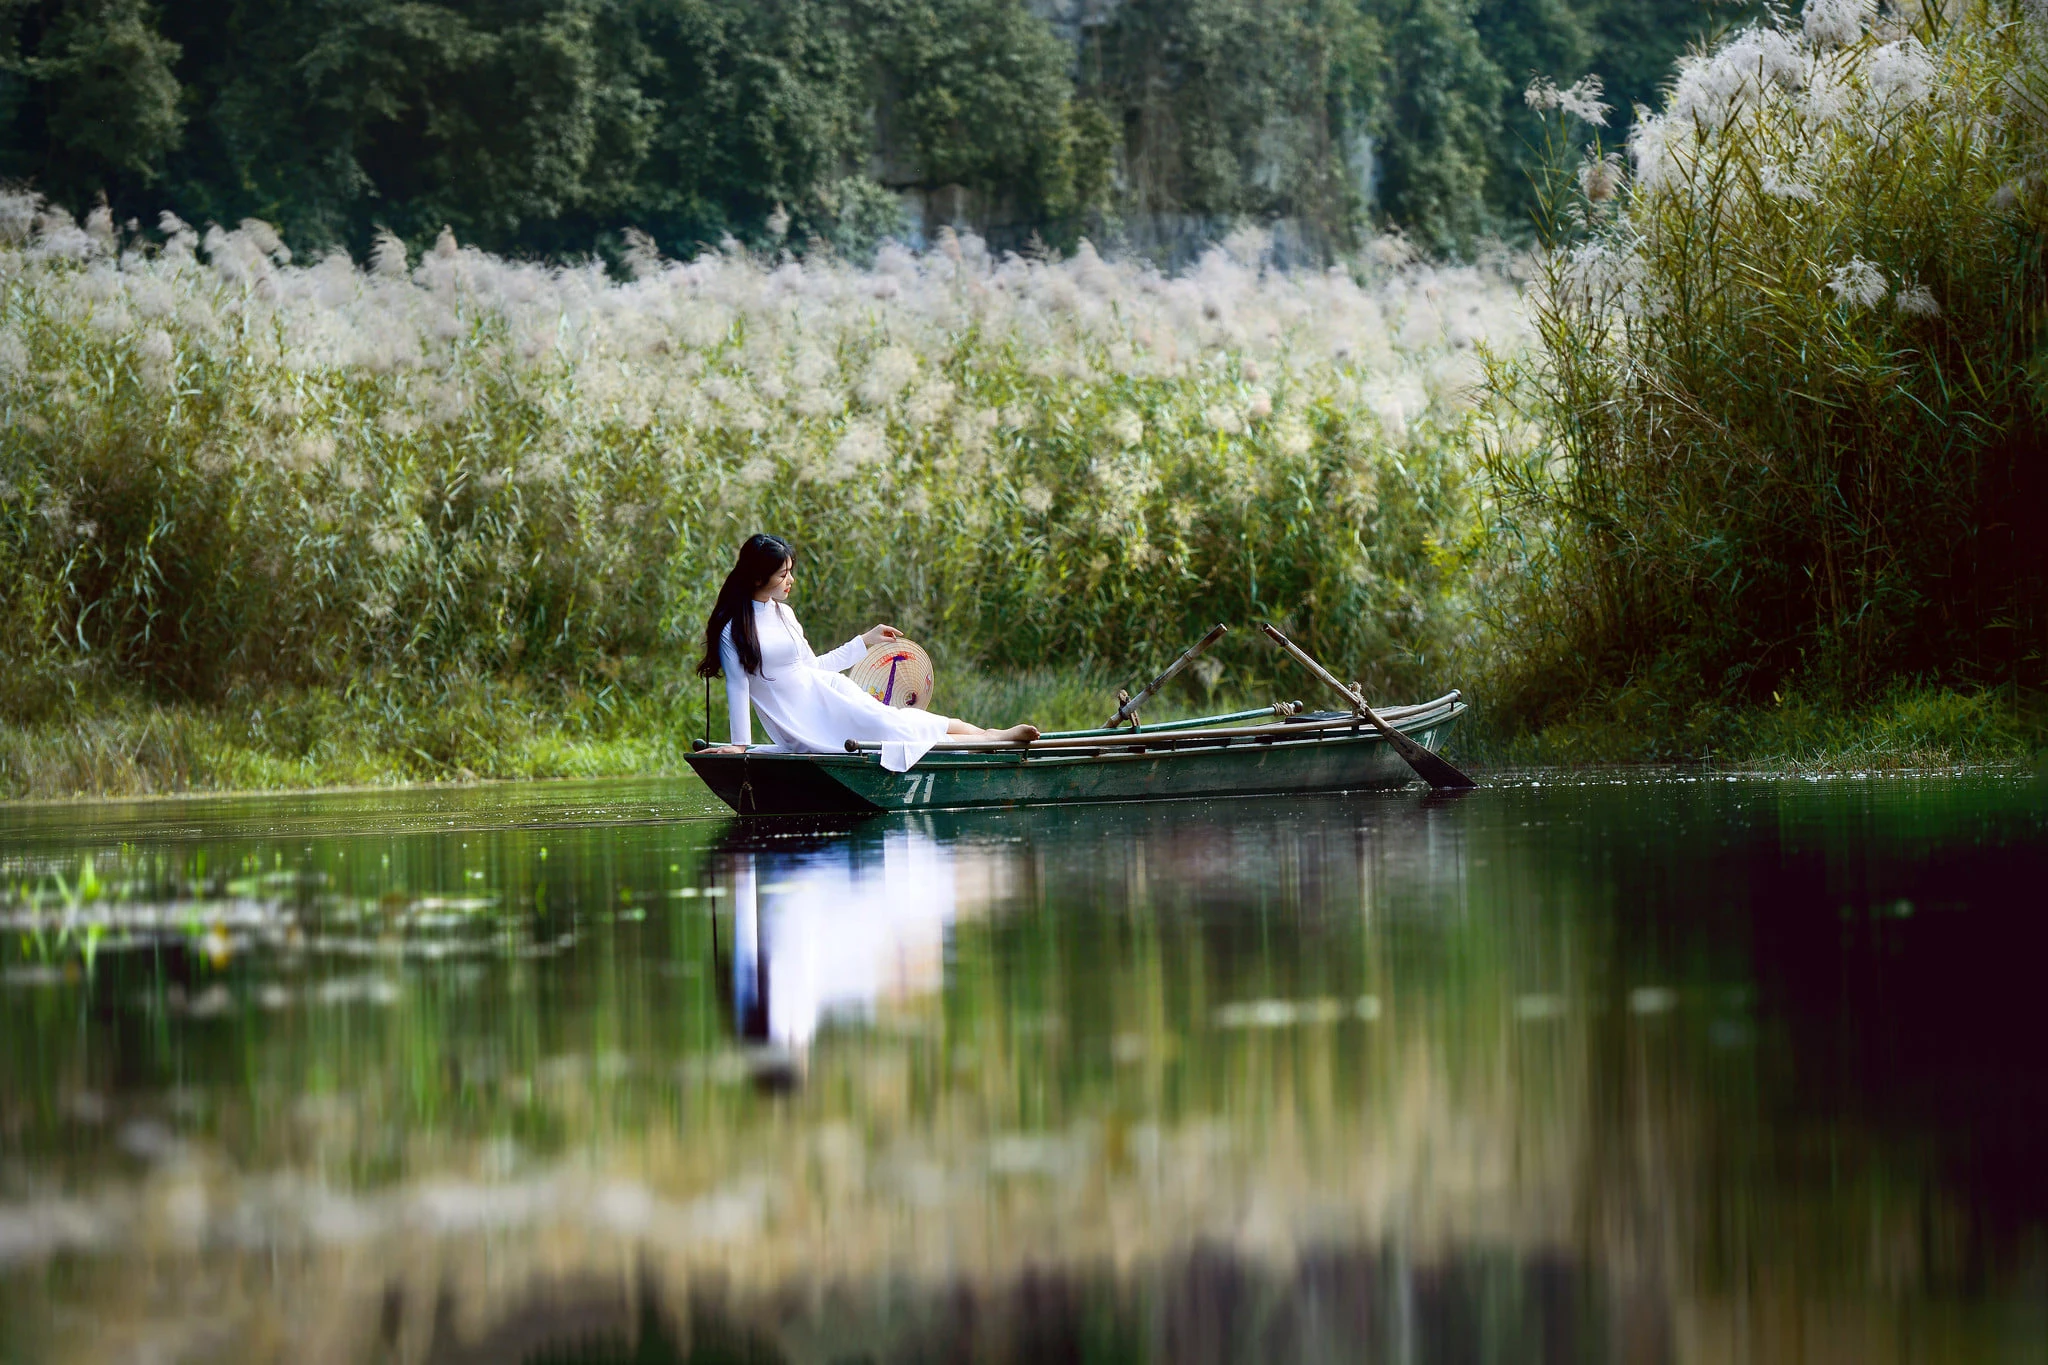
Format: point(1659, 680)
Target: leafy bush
point(1790, 410)
point(225, 475)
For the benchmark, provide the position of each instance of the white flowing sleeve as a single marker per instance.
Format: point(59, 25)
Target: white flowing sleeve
point(844, 657)
point(839, 660)
point(739, 700)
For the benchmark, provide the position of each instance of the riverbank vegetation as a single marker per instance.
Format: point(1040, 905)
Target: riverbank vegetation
point(1790, 392)
point(1749, 473)
point(468, 487)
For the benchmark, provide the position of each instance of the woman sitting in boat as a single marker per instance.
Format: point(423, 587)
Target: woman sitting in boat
point(805, 705)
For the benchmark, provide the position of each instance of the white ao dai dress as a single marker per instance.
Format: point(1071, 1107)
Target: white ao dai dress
point(806, 706)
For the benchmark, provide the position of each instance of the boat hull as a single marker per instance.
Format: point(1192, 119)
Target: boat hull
point(1352, 758)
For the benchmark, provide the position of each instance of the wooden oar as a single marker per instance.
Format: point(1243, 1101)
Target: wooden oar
point(1130, 708)
point(1161, 738)
point(1437, 772)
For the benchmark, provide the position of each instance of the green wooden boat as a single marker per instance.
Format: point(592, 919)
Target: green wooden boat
point(1272, 751)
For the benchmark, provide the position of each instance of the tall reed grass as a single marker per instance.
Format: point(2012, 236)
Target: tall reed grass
point(227, 476)
point(1789, 386)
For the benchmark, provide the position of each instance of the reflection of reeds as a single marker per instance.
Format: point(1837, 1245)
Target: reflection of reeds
point(228, 474)
point(1070, 1100)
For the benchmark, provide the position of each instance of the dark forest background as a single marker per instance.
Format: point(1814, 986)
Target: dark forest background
point(546, 127)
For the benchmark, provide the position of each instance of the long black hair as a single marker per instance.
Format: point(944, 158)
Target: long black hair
point(761, 558)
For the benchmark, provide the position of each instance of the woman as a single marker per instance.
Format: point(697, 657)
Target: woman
point(806, 707)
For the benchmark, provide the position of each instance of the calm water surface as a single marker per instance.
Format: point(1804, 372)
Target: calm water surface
point(1572, 1069)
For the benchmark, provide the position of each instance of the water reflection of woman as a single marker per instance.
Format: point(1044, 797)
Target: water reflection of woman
point(834, 931)
point(806, 707)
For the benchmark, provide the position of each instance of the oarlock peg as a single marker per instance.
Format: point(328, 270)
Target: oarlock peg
point(1124, 708)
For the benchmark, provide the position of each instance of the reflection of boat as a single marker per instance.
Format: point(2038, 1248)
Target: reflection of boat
point(1248, 753)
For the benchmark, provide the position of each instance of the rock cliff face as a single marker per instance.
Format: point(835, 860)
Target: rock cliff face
point(1071, 19)
point(1208, 136)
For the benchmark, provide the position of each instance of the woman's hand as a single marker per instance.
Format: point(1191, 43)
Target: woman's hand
point(880, 635)
point(723, 749)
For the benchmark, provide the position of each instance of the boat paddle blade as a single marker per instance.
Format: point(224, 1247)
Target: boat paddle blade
point(1434, 769)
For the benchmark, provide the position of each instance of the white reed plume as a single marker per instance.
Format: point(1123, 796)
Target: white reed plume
point(1600, 176)
point(387, 258)
point(432, 420)
point(1917, 301)
point(1837, 23)
point(1292, 437)
point(1857, 284)
point(1711, 88)
point(1829, 99)
point(1223, 418)
point(1580, 100)
point(1899, 74)
point(1661, 147)
point(18, 209)
point(1779, 184)
point(888, 374)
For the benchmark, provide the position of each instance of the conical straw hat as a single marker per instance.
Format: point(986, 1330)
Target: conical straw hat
point(896, 673)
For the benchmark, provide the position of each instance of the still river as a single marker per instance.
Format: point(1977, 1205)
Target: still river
point(1609, 1067)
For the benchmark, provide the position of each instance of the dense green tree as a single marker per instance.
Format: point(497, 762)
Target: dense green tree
point(1524, 39)
point(91, 94)
point(975, 90)
point(548, 126)
point(501, 119)
point(1441, 123)
point(759, 105)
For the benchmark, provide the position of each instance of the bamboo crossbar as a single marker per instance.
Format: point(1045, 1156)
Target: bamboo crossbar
point(1165, 726)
